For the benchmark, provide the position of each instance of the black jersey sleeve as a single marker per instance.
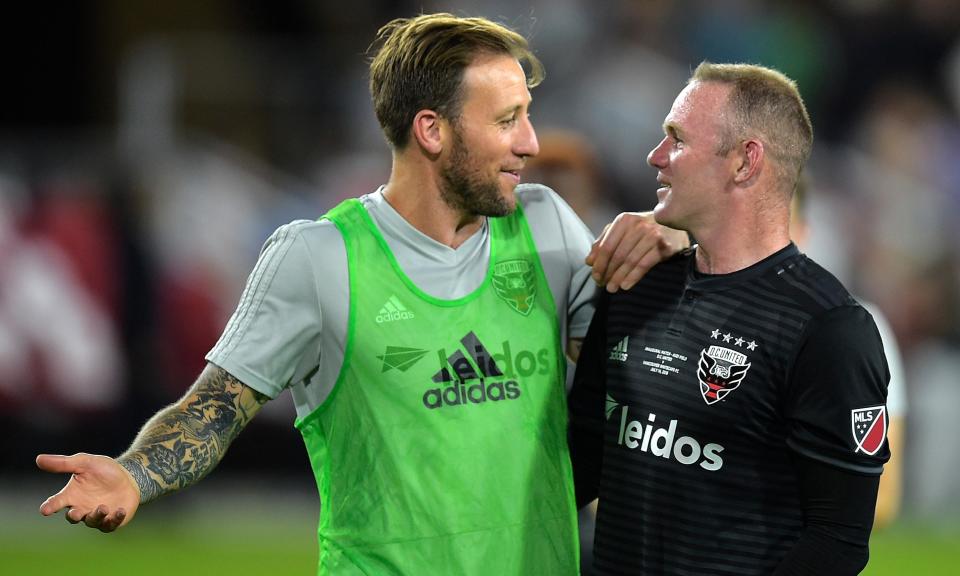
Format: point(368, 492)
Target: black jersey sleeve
point(835, 401)
point(586, 405)
point(838, 508)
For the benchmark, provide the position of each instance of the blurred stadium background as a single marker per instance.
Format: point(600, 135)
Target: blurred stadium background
point(148, 149)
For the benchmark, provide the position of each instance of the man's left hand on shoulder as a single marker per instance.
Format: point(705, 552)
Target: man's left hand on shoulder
point(629, 247)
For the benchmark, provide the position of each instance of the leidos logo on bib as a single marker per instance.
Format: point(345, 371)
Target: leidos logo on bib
point(479, 376)
point(661, 441)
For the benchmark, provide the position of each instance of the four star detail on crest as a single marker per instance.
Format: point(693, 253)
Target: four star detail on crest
point(751, 345)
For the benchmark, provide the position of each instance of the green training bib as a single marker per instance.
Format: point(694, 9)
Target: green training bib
point(442, 447)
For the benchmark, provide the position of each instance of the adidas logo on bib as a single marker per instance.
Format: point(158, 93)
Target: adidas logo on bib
point(392, 311)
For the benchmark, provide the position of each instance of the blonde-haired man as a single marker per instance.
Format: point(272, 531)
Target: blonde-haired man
point(421, 330)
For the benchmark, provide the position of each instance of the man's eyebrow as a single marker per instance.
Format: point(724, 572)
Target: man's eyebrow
point(671, 129)
point(516, 107)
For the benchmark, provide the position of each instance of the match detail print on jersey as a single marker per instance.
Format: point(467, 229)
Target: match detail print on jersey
point(661, 361)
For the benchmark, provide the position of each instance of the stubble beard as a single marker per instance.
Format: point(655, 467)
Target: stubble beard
point(467, 191)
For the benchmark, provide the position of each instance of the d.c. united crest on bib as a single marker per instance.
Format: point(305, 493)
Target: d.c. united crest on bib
point(515, 281)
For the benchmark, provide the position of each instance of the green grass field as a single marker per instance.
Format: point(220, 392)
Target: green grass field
point(260, 529)
point(212, 531)
point(244, 548)
point(910, 551)
point(156, 550)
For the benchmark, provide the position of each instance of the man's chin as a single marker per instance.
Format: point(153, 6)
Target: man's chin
point(504, 209)
point(661, 214)
point(507, 204)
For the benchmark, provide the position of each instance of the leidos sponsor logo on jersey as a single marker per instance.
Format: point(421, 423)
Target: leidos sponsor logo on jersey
point(392, 311)
point(482, 377)
point(655, 439)
point(869, 428)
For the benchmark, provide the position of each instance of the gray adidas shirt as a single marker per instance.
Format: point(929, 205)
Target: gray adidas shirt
point(290, 327)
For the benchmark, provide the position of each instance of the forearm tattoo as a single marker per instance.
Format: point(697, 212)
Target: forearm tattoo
point(185, 441)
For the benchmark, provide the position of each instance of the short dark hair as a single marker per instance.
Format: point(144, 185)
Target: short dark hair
point(766, 103)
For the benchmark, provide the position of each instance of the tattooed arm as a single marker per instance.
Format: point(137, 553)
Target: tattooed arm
point(177, 447)
point(185, 441)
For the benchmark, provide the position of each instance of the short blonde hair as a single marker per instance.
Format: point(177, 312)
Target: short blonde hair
point(764, 103)
point(419, 64)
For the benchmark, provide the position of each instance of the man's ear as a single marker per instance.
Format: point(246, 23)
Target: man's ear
point(427, 131)
point(750, 157)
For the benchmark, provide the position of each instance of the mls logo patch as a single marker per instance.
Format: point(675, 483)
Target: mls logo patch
point(515, 282)
point(720, 372)
point(869, 427)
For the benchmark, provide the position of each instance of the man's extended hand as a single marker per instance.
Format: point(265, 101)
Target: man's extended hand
point(629, 247)
point(100, 492)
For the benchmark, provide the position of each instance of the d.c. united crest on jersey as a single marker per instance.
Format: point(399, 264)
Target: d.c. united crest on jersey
point(869, 428)
point(720, 372)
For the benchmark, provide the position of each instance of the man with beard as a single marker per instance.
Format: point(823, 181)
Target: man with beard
point(420, 329)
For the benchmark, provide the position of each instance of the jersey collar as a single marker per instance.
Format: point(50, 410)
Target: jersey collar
point(714, 282)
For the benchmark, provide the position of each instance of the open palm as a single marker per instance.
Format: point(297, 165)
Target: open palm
point(100, 493)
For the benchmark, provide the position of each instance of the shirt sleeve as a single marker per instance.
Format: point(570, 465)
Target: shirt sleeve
point(586, 405)
point(836, 394)
point(838, 508)
point(563, 242)
point(577, 240)
point(278, 319)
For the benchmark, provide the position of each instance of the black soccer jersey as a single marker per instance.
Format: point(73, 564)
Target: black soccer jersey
point(700, 391)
